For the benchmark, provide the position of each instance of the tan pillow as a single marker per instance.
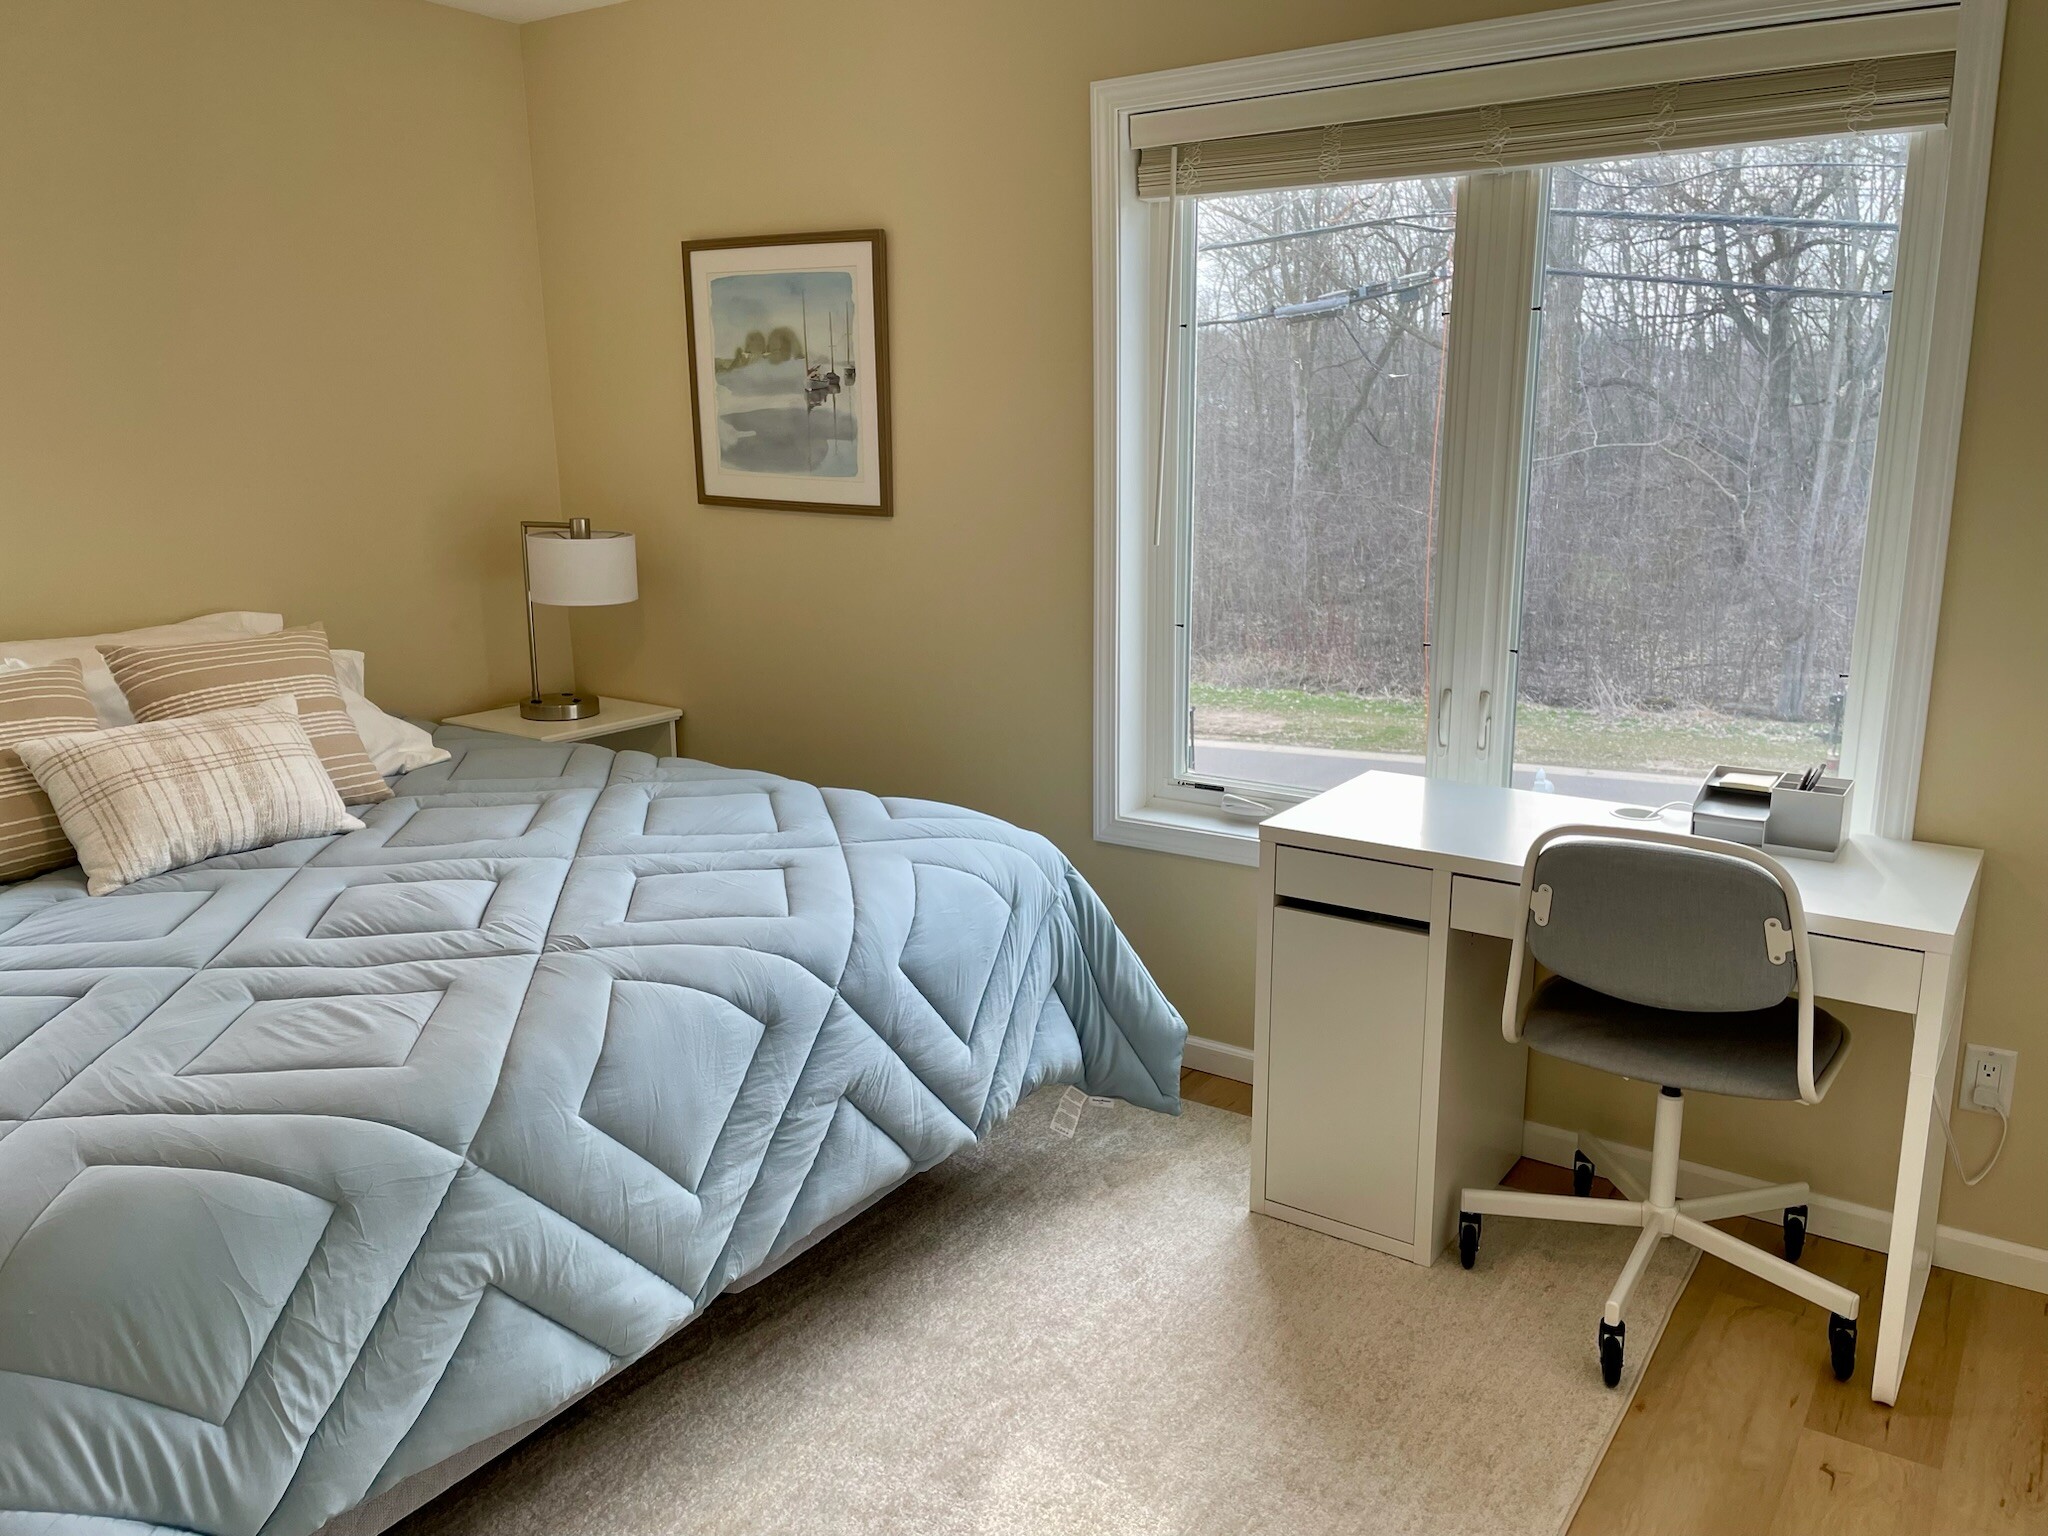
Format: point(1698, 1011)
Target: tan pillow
point(169, 682)
point(140, 799)
point(36, 701)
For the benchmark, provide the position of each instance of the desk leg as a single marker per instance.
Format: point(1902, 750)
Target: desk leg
point(1916, 1203)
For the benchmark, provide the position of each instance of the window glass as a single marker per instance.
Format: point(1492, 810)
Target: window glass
point(1713, 338)
point(1318, 380)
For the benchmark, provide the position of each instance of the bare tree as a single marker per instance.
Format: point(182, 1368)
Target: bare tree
point(1711, 361)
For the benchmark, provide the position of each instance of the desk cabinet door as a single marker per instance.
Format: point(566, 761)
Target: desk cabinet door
point(1344, 1063)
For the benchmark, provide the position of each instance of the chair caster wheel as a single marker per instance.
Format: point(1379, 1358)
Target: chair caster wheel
point(1795, 1232)
point(1582, 1175)
point(1611, 1336)
point(1842, 1345)
point(1468, 1239)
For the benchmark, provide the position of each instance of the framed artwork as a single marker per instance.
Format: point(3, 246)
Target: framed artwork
point(789, 370)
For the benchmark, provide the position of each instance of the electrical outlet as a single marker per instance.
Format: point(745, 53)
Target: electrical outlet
point(1987, 1078)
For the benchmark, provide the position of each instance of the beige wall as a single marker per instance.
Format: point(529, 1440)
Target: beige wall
point(270, 327)
point(947, 652)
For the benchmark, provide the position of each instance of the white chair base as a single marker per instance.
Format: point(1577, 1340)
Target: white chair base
point(1660, 1214)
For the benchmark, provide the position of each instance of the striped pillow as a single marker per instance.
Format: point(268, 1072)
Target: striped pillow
point(140, 799)
point(36, 701)
point(169, 682)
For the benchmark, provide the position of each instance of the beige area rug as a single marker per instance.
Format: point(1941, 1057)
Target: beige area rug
point(1094, 1335)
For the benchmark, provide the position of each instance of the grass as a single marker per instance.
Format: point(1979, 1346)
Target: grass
point(1670, 740)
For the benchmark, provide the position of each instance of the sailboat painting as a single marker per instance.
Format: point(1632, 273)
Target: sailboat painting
point(789, 371)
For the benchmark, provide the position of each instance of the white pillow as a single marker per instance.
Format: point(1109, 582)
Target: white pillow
point(108, 702)
point(394, 745)
point(348, 669)
point(140, 799)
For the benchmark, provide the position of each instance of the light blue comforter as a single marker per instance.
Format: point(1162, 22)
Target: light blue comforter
point(323, 1163)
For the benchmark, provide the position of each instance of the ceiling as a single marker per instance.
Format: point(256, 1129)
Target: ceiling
point(525, 10)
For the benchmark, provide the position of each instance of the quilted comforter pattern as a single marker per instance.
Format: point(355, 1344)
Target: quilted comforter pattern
point(322, 1163)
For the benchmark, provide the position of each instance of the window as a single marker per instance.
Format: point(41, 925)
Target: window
point(1319, 351)
point(1708, 391)
point(1579, 441)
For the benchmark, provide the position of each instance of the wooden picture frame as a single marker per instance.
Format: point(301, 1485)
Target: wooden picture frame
point(780, 416)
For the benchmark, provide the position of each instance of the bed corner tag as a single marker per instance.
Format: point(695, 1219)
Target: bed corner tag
point(1066, 1119)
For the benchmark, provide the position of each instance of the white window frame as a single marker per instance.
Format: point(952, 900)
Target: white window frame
point(1140, 475)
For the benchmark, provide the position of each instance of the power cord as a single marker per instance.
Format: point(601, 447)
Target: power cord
point(1647, 812)
point(1972, 1180)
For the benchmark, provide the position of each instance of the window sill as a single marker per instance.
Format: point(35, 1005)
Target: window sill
point(1193, 832)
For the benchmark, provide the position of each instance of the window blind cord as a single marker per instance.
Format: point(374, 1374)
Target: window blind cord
point(1972, 1180)
point(1170, 362)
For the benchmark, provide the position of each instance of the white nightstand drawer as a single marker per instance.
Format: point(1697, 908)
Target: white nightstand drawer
point(626, 724)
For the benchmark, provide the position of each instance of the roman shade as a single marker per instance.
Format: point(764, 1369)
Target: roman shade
point(1863, 95)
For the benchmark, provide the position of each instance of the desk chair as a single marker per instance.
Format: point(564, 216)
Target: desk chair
point(1680, 961)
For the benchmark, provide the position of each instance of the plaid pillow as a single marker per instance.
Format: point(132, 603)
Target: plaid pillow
point(35, 701)
point(140, 799)
point(195, 677)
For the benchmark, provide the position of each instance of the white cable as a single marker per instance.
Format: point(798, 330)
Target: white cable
point(1972, 1180)
point(1645, 812)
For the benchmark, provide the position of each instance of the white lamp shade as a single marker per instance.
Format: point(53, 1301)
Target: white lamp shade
point(581, 573)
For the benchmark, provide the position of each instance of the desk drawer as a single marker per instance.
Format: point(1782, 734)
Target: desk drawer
point(1355, 885)
point(1848, 971)
point(1485, 906)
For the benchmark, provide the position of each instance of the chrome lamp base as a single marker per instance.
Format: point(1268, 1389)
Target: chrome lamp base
point(559, 706)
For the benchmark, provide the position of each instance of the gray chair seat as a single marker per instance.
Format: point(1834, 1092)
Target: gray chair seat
point(1747, 1055)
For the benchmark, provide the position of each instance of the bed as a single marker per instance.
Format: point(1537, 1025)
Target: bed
point(328, 1169)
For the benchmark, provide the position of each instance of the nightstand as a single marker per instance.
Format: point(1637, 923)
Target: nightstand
point(624, 724)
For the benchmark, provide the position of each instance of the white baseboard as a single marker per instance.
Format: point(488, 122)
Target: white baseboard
point(1865, 1226)
point(1220, 1060)
point(1549, 1143)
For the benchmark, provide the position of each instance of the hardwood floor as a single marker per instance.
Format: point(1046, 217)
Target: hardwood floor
point(1740, 1428)
point(1218, 1092)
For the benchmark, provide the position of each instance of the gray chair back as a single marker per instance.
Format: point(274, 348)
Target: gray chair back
point(1662, 925)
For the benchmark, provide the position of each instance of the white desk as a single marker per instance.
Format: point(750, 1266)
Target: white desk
point(1369, 1011)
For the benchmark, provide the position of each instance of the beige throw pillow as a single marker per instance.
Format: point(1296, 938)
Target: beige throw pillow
point(35, 701)
point(169, 682)
point(140, 799)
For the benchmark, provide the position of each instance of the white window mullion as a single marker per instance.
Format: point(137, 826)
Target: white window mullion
point(1489, 371)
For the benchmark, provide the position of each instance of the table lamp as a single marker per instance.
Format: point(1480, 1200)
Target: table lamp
point(571, 565)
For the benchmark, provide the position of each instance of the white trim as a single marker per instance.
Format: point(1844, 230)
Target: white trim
point(1551, 1144)
point(1906, 549)
point(1908, 674)
point(1864, 1226)
point(1218, 1058)
point(1489, 381)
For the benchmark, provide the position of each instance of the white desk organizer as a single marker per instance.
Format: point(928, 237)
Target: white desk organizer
point(1808, 823)
point(1794, 823)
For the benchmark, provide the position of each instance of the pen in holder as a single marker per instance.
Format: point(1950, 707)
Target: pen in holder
point(1808, 822)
